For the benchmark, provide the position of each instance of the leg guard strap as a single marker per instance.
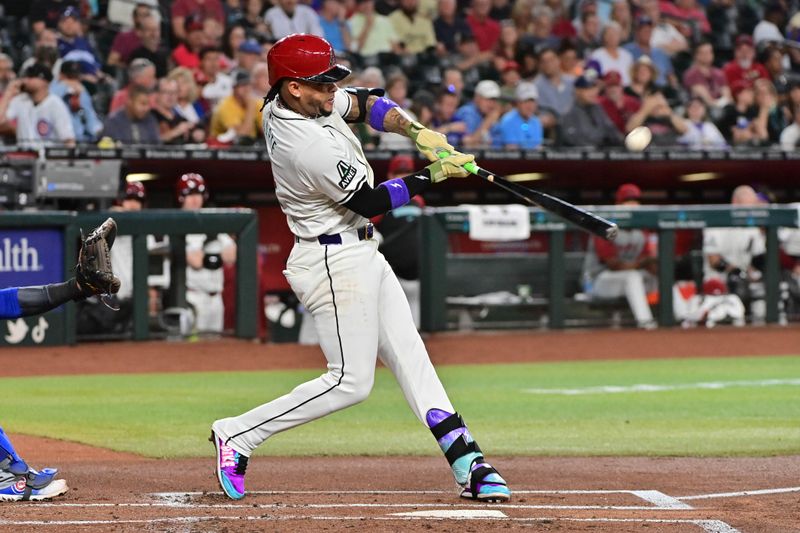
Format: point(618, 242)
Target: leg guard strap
point(460, 448)
point(447, 425)
point(478, 476)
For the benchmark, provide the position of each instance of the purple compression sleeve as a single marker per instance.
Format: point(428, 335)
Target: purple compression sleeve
point(398, 192)
point(378, 112)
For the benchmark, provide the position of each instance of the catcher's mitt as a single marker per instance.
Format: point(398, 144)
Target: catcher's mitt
point(94, 273)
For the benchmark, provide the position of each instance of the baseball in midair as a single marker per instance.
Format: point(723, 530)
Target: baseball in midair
point(638, 139)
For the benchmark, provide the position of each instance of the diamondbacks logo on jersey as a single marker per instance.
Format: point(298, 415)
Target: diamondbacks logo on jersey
point(346, 172)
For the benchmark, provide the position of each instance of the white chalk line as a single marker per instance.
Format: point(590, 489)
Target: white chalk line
point(646, 387)
point(710, 526)
point(185, 505)
point(739, 494)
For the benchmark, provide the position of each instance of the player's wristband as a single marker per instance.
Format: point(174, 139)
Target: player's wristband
point(378, 112)
point(398, 192)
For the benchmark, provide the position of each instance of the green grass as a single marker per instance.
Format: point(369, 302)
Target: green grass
point(168, 415)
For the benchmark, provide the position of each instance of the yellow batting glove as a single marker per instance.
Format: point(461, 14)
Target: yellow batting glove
point(428, 142)
point(451, 166)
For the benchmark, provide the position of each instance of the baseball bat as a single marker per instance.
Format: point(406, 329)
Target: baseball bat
point(585, 220)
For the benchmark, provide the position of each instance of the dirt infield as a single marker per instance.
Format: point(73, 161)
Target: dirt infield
point(123, 492)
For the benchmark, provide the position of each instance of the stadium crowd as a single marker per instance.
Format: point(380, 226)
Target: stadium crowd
point(704, 74)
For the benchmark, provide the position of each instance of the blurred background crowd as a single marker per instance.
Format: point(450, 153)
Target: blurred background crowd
point(705, 74)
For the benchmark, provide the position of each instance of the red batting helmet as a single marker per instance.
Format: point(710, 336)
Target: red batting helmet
point(191, 183)
point(134, 190)
point(305, 57)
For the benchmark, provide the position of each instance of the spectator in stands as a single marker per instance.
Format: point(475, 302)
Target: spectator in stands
point(621, 14)
point(142, 74)
point(121, 12)
point(640, 46)
point(289, 16)
point(507, 46)
point(738, 122)
point(38, 117)
point(665, 36)
point(769, 29)
point(199, 10)
point(743, 66)
point(586, 124)
point(187, 53)
point(453, 82)
point(68, 87)
point(770, 114)
point(522, 16)
point(481, 114)
point(449, 26)
point(655, 113)
point(205, 257)
point(334, 24)
point(172, 126)
point(509, 79)
point(735, 256)
point(568, 57)
point(253, 20)
point(611, 56)
point(588, 35)
point(790, 136)
point(216, 85)
point(188, 93)
point(259, 85)
point(701, 133)
point(248, 54)
point(704, 80)
point(125, 42)
point(562, 26)
point(691, 19)
point(232, 39)
point(444, 119)
point(414, 32)
point(556, 90)
point(619, 107)
point(501, 9)
point(72, 46)
point(45, 52)
point(397, 91)
point(643, 76)
point(7, 74)
point(625, 266)
point(542, 34)
point(236, 118)
point(485, 29)
point(46, 13)
point(372, 32)
point(151, 48)
point(471, 62)
point(133, 124)
point(520, 128)
point(773, 60)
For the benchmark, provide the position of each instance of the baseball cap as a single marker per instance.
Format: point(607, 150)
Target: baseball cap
point(487, 89)
point(193, 23)
point(240, 77)
point(250, 47)
point(526, 91)
point(401, 163)
point(511, 65)
point(612, 77)
point(71, 69)
point(38, 70)
point(744, 40)
point(587, 79)
point(740, 85)
point(644, 20)
point(71, 11)
point(628, 191)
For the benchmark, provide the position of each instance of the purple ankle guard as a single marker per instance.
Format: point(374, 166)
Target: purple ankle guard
point(378, 112)
point(434, 417)
point(398, 192)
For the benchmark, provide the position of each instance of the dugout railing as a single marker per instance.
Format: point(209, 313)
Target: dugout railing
point(240, 223)
point(437, 223)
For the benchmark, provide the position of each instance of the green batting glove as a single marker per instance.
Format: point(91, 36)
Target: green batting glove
point(451, 166)
point(428, 142)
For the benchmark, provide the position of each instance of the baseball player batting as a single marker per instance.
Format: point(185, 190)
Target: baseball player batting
point(324, 185)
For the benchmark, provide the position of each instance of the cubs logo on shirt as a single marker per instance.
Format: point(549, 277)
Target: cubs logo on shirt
point(44, 128)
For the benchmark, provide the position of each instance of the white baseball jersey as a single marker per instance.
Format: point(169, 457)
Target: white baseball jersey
point(737, 246)
point(318, 165)
point(43, 124)
point(203, 279)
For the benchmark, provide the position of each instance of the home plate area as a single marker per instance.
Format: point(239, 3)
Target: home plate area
point(565, 510)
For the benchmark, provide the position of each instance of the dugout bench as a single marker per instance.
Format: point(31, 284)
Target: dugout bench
point(445, 275)
point(175, 223)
